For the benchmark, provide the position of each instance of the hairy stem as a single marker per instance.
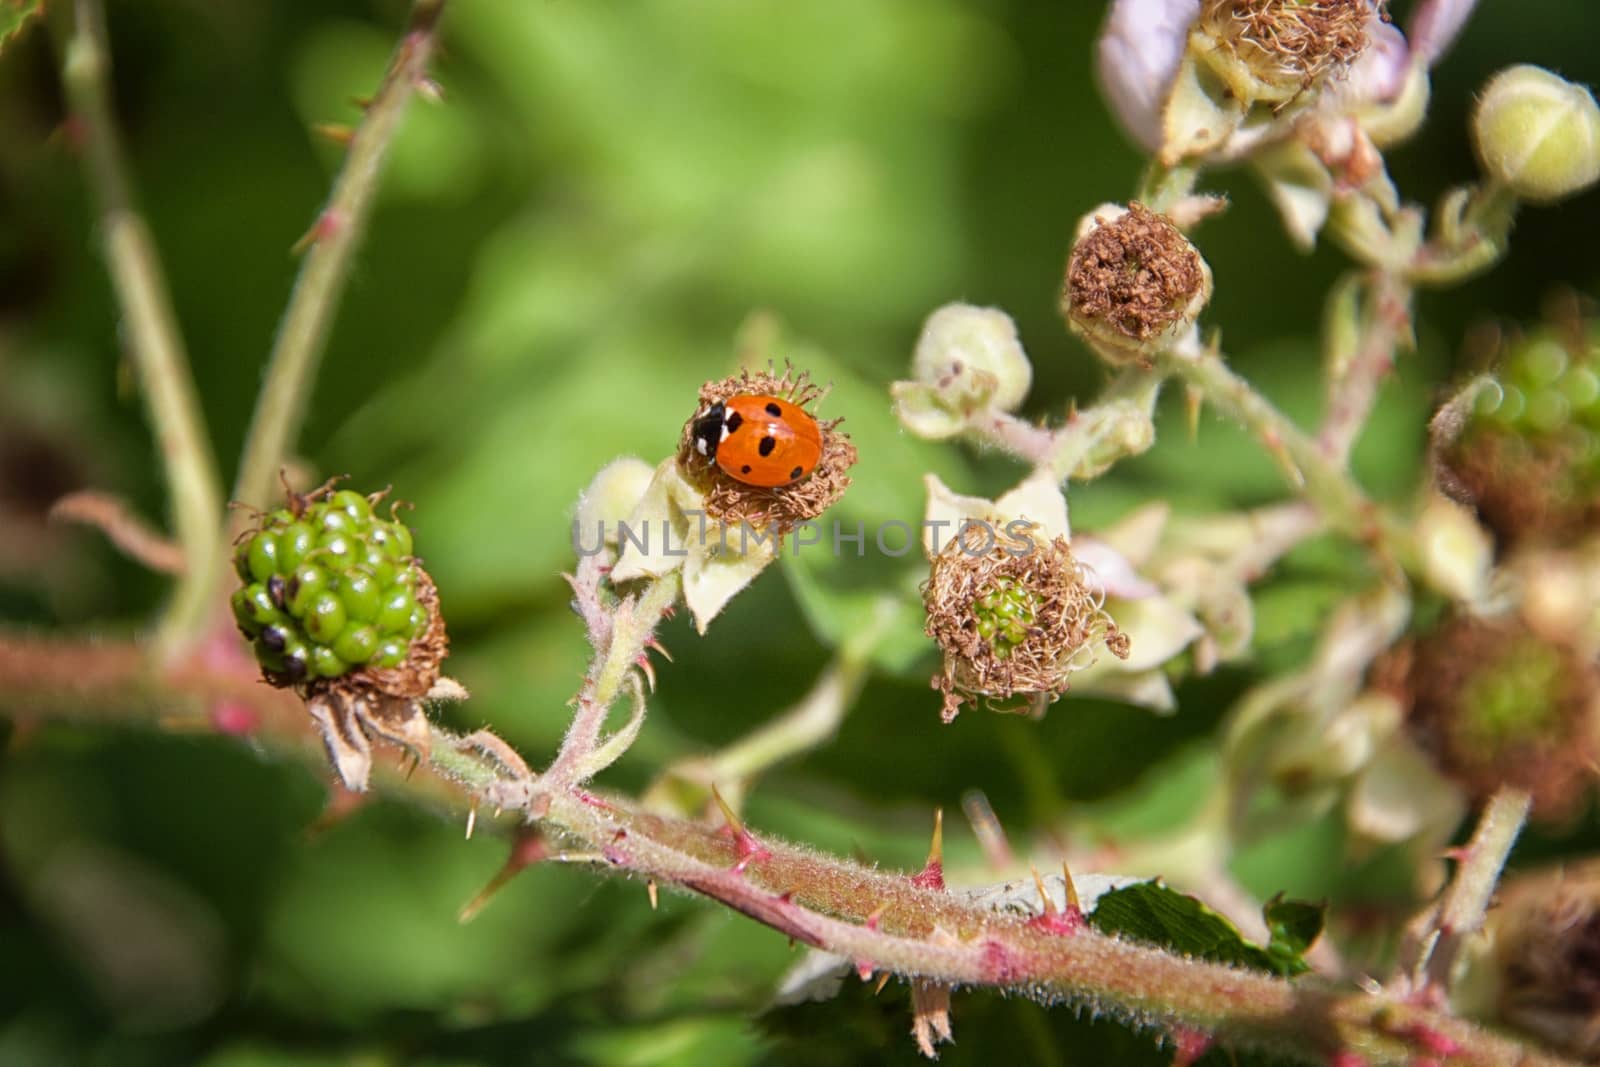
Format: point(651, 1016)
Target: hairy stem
point(881, 919)
point(632, 630)
point(153, 337)
point(1465, 902)
point(333, 239)
point(1385, 321)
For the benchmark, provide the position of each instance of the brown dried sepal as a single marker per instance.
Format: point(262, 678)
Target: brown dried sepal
point(1431, 676)
point(1288, 41)
point(1524, 489)
point(730, 502)
point(383, 702)
point(1547, 949)
point(1136, 274)
point(1067, 617)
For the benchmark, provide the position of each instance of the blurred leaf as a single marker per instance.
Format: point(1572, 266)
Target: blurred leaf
point(1155, 914)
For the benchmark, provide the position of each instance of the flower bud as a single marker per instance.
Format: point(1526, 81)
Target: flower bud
point(967, 359)
point(1134, 283)
point(1538, 134)
point(611, 498)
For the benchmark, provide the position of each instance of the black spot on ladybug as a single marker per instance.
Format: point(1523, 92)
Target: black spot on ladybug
point(795, 473)
point(775, 411)
point(735, 421)
point(767, 445)
point(745, 469)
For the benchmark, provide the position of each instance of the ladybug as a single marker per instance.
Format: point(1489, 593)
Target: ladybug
point(759, 440)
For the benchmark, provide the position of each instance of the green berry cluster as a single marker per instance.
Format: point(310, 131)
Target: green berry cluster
point(1545, 390)
point(1004, 614)
point(1530, 453)
point(328, 588)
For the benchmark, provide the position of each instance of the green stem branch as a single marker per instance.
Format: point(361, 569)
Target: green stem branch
point(154, 340)
point(333, 240)
point(1324, 483)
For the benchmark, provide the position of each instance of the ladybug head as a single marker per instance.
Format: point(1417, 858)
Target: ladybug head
point(708, 430)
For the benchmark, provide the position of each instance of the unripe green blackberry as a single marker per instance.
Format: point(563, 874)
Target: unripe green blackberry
point(1529, 454)
point(1004, 614)
point(331, 589)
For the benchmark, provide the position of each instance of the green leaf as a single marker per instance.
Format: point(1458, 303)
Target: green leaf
point(1295, 926)
point(15, 16)
point(1158, 915)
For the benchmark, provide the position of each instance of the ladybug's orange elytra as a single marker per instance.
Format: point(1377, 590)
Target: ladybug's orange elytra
point(764, 441)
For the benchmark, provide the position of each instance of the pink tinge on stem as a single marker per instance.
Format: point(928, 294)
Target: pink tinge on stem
point(1137, 59)
point(1435, 25)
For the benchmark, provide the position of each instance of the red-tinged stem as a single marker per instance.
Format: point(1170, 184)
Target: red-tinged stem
point(332, 243)
point(861, 913)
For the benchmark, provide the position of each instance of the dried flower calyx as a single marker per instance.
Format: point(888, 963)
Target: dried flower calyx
point(1271, 51)
point(729, 501)
point(1496, 704)
point(338, 608)
point(1133, 282)
point(1546, 956)
point(1013, 614)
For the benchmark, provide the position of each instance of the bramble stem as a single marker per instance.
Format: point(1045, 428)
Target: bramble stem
point(333, 240)
point(831, 902)
point(1385, 321)
point(153, 336)
point(1465, 902)
point(1328, 487)
point(633, 627)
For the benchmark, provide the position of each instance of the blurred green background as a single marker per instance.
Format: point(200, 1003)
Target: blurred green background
point(563, 250)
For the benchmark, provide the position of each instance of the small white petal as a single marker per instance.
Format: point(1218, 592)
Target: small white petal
point(1157, 630)
point(1137, 59)
point(658, 535)
point(947, 510)
point(1401, 796)
point(1435, 24)
point(712, 577)
point(1143, 689)
point(1037, 498)
point(1109, 570)
point(1137, 534)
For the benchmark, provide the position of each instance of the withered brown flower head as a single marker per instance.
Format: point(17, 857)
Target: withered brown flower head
point(731, 502)
point(1496, 704)
point(1136, 274)
point(1059, 614)
point(1290, 42)
point(1547, 949)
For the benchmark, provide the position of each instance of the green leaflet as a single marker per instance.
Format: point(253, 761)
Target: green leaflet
point(1159, 915)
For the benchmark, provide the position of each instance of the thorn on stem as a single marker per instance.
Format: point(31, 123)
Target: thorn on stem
point(527, 848)
point(327, 225)
point(747, 849)
point(932, 874)
point(653, 893)
point(335, 132)
point(472, 818)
